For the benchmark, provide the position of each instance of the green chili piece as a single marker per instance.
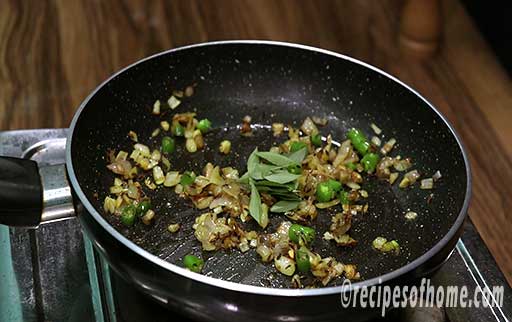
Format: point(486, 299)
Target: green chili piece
point(193, 263)
point(324, 192)
point(301, 234)
point(128, 215)
point(204, 125)
point(359, 141)
point(335, 185)
point(143, 207)
point(344, 197)
point(187, 178)
point(294, 232)
point(296, 146)
point(370, 161)
point(302, 259)
point(308, 234)
point(316, 139)
point(179, 130)
point(168, 144)
point(351, 166)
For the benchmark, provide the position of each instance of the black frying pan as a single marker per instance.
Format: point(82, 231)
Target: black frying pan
point(272, 82)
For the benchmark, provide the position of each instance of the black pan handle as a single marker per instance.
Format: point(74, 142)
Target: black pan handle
point(21, 192)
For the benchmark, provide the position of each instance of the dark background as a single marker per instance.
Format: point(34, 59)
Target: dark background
point(494, 20)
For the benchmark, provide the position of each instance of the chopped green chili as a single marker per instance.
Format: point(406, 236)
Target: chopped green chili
point(143, 207)
point(369, 162)
point(178, 130)
point(193, 263)
point(359, 141)
point(316, 139)
point(128, 215)
point(351, 165)
point(335, 185)
point(204, 125)
point(344, 197)
point(301, 234)
point(168, 144)
point(302, 259)
point(187, 178)
point(326, 190)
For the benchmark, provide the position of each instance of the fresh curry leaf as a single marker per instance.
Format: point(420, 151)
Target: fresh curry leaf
point(284, 206)
point(298, 156)
point(263, 215)
point(276, 158)
point(282, 177)
point(279, 193)
point(290, 186)
point(293, 185)
point(255, 203)
point(261, 170)
point(244, 178)
point(267, 169)
point(283, 189)
point(252, 162)
point(285, 196)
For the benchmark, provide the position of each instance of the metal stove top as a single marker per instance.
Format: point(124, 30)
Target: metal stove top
point(54, 274)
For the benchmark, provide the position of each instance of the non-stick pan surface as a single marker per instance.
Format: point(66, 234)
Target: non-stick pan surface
point(274, 83)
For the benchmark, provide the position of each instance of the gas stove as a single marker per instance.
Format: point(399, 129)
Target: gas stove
point(55, 274)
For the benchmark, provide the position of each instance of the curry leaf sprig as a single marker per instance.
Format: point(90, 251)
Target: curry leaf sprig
point(275, 174)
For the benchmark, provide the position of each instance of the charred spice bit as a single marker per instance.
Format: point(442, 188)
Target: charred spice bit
point(246, 130)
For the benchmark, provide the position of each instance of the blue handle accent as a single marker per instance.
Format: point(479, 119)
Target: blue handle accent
point(10, 303)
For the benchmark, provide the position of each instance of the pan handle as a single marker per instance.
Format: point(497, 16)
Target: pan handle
point(30, 195)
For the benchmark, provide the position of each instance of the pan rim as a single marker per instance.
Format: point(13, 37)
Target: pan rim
point(260, 290)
